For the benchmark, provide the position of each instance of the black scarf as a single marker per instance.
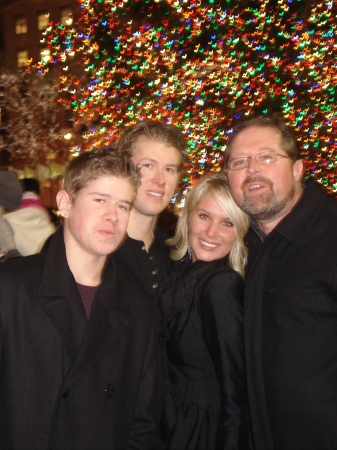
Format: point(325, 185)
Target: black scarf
point(177, 290)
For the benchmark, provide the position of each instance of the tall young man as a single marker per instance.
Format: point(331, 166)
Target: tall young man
point(291, 290)
point(157, 149)
point(78, 345)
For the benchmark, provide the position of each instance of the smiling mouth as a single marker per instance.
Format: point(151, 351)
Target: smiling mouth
point(155, 194)
point(255, 186)
point(208, 244)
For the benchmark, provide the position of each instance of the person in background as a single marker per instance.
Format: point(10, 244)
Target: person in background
point(78, 336)
point(157, 149)
point(291, 289)
point(31, 193)
point(31, 223)
point(10, 200)
point(202, 305)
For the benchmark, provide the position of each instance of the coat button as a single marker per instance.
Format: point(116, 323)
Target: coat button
point(65, 393)
point(110, 390)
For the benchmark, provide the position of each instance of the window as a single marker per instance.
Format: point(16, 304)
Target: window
point(66, 16)
point(22, 57)
point(42, 20)
point(20, 25)
point(44, 54)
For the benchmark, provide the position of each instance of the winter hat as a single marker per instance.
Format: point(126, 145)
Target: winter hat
point(10, 191)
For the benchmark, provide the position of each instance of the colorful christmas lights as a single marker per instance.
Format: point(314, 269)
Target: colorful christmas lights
point(203, 65)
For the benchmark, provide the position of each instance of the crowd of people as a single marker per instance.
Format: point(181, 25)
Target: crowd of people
point(114, 335)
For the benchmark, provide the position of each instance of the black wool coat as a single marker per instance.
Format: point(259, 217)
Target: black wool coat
point(291, 328)
point(66, 383)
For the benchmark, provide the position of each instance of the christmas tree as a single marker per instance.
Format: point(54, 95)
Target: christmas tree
point(202, 65)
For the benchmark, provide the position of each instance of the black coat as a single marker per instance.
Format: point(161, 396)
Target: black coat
point(67, 383)
point(291, 329)
point(203, 308)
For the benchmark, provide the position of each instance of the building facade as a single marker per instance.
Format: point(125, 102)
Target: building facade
point(22, 24)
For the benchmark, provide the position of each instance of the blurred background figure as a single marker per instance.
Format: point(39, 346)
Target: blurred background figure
point(31, 223)
point(10, 200)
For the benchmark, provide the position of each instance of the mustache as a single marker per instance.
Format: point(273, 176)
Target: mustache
point(257, 179)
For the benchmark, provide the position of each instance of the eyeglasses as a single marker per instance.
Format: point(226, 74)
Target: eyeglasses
point(265, 157)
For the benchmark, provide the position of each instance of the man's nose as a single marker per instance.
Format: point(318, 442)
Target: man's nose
point(252, 165)
point(159, 177)
point(111, 214)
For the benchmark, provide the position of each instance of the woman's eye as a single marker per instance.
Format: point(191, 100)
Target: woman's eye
point(227, 224)
point(203, 216)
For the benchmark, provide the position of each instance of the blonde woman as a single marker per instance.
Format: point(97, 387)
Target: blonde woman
point(202, 305)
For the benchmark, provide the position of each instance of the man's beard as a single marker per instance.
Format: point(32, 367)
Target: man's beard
point(264, 206)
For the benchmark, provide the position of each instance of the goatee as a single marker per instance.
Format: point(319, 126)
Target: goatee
point(264, 206)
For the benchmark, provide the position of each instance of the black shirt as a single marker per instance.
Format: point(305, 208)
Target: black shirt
point(148, 267)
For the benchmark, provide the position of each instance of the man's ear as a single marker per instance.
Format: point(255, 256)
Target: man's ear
point(298, 169)
point(63, 203)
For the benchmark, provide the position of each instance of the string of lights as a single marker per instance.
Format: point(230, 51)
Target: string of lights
point(202, 65)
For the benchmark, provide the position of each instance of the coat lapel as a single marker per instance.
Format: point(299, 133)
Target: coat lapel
point(86, 342)
point(131, 259)
point(60, 297)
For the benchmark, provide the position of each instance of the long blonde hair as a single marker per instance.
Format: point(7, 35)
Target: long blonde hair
point(215, 184)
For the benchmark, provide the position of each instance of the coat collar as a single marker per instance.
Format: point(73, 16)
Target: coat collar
point(130, 256)
point(297, 224)
point(57, 277)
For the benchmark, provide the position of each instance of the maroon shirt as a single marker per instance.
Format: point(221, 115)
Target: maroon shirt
point(87, 294)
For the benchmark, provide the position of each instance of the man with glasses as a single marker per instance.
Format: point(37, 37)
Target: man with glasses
point(291, 289)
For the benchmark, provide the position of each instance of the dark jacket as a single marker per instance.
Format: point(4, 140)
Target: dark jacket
point(148, 267)
point(203, 308)
point(67, 383)
point(291, 329)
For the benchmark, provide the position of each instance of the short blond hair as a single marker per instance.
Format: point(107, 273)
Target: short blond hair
point(89, 166)
point(170, 135)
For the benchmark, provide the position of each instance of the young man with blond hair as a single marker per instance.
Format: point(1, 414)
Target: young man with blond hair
point(158, 150)
point(78, 337)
